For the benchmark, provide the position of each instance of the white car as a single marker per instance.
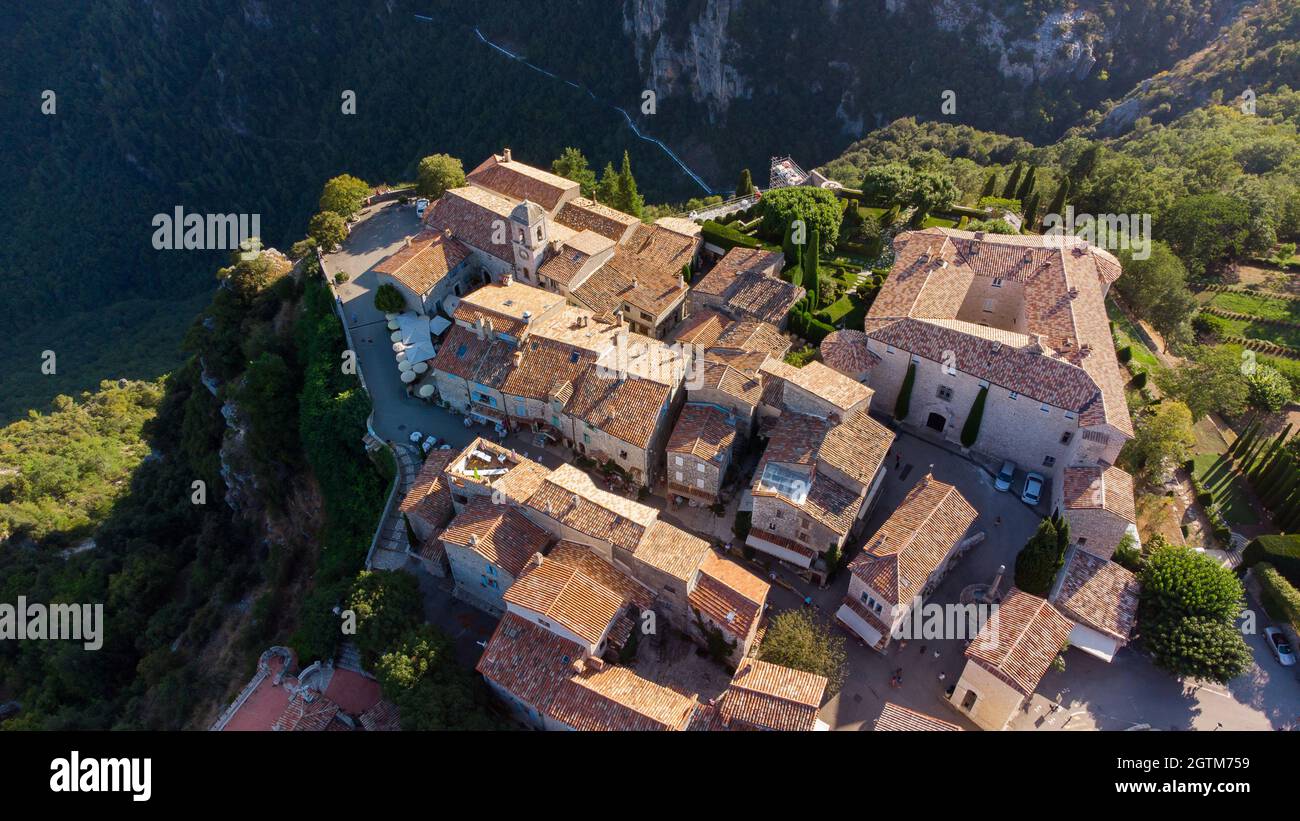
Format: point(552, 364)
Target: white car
point(1033, 489)
point(420, 206)
point(1002, 483)
point(1278, 645)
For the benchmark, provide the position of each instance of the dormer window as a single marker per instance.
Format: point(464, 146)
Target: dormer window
point(997, 282)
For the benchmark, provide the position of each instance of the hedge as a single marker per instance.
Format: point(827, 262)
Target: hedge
point(1281, 551)
point(903, 405)
point(726, 237)
point(1281, 599)
point(1126, 353)
point(971, 430)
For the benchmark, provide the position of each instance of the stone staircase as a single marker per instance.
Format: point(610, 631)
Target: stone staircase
point(393, 549)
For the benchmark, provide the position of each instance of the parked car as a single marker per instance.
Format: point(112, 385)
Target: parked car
point(1003, 481)
point(1033, 489)
point(1279, 646)
point(420, 205)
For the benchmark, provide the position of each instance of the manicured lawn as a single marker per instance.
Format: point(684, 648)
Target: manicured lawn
point(1221, 479)
point(1260, 306)
point(939, 222)
point(1280, 334)
point(1127, 334)
point(850, 311)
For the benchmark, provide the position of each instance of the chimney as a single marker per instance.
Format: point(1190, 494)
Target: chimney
point(508, 279)
point(505, 155)
point(519, 358)
point(536, 560)
point(594, 664)
point(473, 540)
point(446, 232)
point(618, 319)
point(997, 580)
point(407, 242)
point(528, 317)
point(633, 283)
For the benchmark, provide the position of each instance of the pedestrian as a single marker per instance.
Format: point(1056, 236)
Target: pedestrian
point(997, 521)
point(897, 461)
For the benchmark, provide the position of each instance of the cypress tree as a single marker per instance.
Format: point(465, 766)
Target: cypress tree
point(990, 185)
point(1268, 455)
point(746, 185)
point(792, 251)
point(1085, 165)
point(1013, 184)
point(904, 401)
point(1027, 184)
point(1242, 442)
point(631, 201)
point(1031, 210)
point(1274, 498)
point(1057, 205)
point(811, 259)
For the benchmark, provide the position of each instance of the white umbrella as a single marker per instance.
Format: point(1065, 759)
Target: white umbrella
point(425, 391)
point(420, 367)
point(401, 356)
point(403, 366)
point(390, 316)
point(408, 377)
point(392, 325)
point(396, 336)
point(399, 347)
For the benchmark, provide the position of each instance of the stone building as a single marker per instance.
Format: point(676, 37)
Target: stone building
point(427, 269)
point(1017, 322)
point(746, 283)
point(1098, 503)
point(699, 452)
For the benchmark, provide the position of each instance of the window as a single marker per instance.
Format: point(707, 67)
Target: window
point(988, 306)
point(677, 460)
point(555, 420)
point(586, 439)
point(521, 410)
point(1049, 461)
point(1069, 415)
point(1013, 395)
point(489, 583)
point(1066, 437)
point(1083, 540)
point(491, 570)
point(875, 606)
point(771, 525)
point(889, 349)
point(1044, 408)
point(997, 282)
point(968, 702)
point(679, 476)
point(622, 454)
point(945, 393)
point(699, 466)
point(699, 483)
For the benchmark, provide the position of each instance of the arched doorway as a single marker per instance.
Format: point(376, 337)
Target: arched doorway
point(937, 421)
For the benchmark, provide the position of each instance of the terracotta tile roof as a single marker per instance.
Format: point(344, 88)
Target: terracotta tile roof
point(700, 328)
point(512, 308)
point(383, 717)
point(429, 497)
point(747, 362)
point(301, 715)
point(735, 264)
point(1098, 488)
point(563, 265)
point(617, 699)
point(703, 431)
point(671, 550)
point(1021, 640)
point(546, 365)
point(900, 557)
point(728, 594)
point(582, 214)
point(731, 381)
point(846, 351)
point(644, 272)
point(528, 661)
point(627, 409)
point(521, 182)
point(857, 446)
point(425, 262)
point(498, 533)
point(460, 352)
point(1099, 593)
point(773, 697)
point(754, 335)
point(822, 382)
point(765, 298)
point(568, 596)
point(570, 497)
point(680, 225)
point(895, 717)
point(583, 559)
point(469, 213)
point(1061, 351)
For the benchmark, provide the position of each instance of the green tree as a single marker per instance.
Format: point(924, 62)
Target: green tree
point(888, 183)
point(1164, 437)
point(328, 230)
point(1013, 183)
point(1205, 229)
point(931, 191)
point(437, 173)
point(797, 640)
point(904, 402)
point(389, 300)
point(1187, 615)
point(1085, 165)
point(990, 185)
point(344, 195)
point(421, 676)
point(629, 200)
point(572, 165)
point(387, 604)
point(1040, 560)
point(1210, 381)
point(1156, 289)
point(1267, 389)
point(811, 272)
point(819, 208)
point(970, 431)
point(1057, 205)
point(607, 192)
point(1027, 184)
point(745, 186)
point(793, 254)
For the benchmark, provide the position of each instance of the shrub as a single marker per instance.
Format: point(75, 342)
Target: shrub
point(1127, 553)
point(1281, 599)
point(389, 300)
point(1140, 381)
point(904, 402)
point(1125, 354)
point(1040, 560)
point(971, 430)
point(1280, 551)
point(726, 237)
